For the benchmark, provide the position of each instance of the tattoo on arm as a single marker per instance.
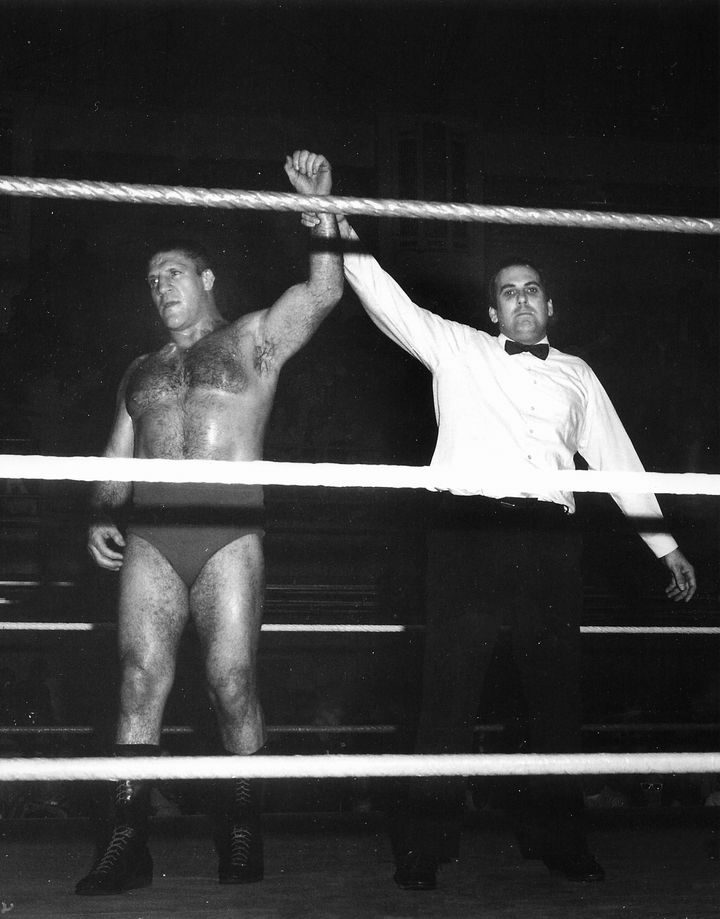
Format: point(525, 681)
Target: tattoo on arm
point(263, 356)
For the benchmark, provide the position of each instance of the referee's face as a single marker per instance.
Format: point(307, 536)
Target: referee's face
point(522, 308)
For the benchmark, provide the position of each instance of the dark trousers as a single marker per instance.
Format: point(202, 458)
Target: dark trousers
point(491, 566)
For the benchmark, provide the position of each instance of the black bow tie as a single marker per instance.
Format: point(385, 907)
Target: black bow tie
point(541, 351)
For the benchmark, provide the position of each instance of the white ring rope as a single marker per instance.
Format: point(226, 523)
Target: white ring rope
point(59, 730)
point(22, 186)
point(348, 475)
point(650, 629)
point(266, 627)
point(353, 766)
point(369, 628)
point(642, 727)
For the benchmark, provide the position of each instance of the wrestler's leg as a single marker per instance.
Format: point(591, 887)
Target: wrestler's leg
point(153, 611)
point(226, 604)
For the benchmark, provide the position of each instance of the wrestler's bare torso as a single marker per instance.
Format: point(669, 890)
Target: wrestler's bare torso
point(210, 400)
point(208, 393)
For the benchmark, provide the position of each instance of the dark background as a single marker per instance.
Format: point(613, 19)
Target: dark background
point(606, 106)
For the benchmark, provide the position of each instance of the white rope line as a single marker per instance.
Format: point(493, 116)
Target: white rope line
point(24, 186)
point(650, 629)
point(433, 478)
point(55, 626)
point(369, 628)
point(332, 627)
point(186, 729)
point(620, 727)
point(353, 766)
point(644, 727)
point(271, 588)
point(266, 627)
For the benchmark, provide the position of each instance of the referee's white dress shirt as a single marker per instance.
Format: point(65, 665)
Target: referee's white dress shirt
point(494, 411)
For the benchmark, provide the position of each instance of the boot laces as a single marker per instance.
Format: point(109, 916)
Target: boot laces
point(240, 841)
point(124, 791)
point(242, 794)
point(119, 841)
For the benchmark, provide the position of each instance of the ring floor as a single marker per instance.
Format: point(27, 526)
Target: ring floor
point(333, 865)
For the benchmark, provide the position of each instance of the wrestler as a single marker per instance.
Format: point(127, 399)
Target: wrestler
point(195, 552)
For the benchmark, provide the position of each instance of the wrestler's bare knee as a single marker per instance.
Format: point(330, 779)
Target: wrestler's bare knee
point(232, 691)
point(145, 679)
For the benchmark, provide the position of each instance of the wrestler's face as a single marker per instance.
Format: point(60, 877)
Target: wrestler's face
point(522, 309)
point(181, 296)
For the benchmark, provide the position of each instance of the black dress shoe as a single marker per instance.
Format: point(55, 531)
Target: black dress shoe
point(576, 867)
point(416, 871)
point(125, 865)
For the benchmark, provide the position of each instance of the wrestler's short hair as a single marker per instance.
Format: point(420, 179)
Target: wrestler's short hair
point(196, 252)
point(509, 263)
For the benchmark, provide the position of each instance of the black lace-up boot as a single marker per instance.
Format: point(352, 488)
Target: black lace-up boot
point(238, 833)
point(126, 862)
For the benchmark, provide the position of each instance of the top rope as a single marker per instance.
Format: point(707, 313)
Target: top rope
point(279, 201)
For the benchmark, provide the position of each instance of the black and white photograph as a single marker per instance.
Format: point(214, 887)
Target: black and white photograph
point(360, 459)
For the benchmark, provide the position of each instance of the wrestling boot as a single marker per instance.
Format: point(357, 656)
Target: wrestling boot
point(126, 863)
point(238, 832)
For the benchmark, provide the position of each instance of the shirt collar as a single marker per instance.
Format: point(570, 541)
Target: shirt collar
point(502, 338)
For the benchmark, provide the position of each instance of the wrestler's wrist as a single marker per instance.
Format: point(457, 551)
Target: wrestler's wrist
point(326, 220)
point(326, 224)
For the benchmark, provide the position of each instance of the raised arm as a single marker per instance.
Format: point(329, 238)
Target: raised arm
point(418, 331)
point(293, 319)
point(104, 539)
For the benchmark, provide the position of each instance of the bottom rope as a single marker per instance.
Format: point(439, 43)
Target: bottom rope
point(354, 766)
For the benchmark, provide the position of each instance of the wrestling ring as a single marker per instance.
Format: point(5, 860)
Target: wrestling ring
point(339, 766)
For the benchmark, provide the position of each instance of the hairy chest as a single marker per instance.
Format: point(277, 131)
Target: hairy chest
point(176, 377)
